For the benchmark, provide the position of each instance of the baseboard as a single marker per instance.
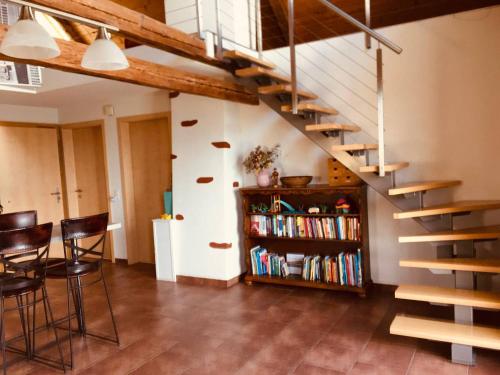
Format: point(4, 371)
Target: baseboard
point(201, 281)
point(120, 261)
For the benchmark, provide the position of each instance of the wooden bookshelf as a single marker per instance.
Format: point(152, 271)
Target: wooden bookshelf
point(307, 197)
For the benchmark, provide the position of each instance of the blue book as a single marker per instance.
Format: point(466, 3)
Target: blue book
point(344, 270)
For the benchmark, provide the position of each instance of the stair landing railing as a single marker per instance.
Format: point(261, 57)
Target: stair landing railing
point(369, 33)
point(221, 29)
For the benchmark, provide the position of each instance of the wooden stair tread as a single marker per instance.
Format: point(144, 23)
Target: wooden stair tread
point(391, 167)
point(446, 331)
point(451, 296)
point(283, 88)
point(450, 208)
point(238, 55)
point(455, 264)
point(479, 233)
point(415, 187)
point(258, 71)
point(355, 147)
point(310, 107)
point(325, 127)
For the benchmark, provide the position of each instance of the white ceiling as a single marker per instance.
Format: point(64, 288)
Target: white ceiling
point(62, 89)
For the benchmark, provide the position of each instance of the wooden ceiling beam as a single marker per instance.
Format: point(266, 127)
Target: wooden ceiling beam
point(137, 27)
point(143, 73)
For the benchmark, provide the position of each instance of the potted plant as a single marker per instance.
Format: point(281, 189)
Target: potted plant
point(259, 161)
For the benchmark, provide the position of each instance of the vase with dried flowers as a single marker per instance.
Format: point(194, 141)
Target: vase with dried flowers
point(259, 161)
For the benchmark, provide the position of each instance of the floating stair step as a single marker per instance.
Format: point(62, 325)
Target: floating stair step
point(455, 264)
point(415, 187)
point(469, 234)
point(450, 296)
point(238, 55)
point(258, 71)
point(285, 89)
point(328, 127)
point(392, 167)
point(355, 147)
point(450, 208)
point(310, 107)
point(446, 331)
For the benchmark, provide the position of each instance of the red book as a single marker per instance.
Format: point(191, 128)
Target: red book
point(348, 268)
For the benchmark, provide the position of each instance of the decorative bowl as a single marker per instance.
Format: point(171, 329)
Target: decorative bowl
point(296, 181)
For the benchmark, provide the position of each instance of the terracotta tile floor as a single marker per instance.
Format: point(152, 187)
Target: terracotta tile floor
point(168, 328)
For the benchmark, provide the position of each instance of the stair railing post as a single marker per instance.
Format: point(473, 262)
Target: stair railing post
point(219, 51)
point(252, 44)
point(258, 28)
point(380, 113)
point(291, 41)
point(368, 22)
point(199, 21)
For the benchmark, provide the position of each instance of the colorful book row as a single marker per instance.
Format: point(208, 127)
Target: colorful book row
point(335, 228)
point(264, 263)
point(344, 269)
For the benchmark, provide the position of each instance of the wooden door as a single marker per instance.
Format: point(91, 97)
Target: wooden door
point(86, 177)
point(147, 173)
point(30, 175)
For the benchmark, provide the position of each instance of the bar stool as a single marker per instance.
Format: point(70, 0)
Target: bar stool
point(80, 262)
point(23, 253)
point(18, 220)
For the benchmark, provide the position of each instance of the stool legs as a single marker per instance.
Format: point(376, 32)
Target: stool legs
point(20, 309)
point(110, 308)
point(46, 304)
point(28, 323)
point(70, 330)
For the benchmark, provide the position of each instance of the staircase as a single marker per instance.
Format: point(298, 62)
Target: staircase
point(455, 248)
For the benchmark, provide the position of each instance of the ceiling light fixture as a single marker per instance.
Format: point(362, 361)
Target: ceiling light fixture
point(104, 54)
point(27, 39)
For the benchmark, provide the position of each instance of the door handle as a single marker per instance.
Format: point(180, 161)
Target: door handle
point(57, 194)
point(79, 192)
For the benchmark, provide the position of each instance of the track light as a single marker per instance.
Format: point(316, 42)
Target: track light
point(27, 39)
point(104, 54)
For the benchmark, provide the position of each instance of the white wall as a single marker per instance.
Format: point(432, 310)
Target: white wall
point(29, 114)
point(124, 106)
point(441, 103)
point(210, 210)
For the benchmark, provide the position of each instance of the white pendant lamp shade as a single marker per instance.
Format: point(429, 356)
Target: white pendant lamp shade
point(27, 39)
point(104, 54)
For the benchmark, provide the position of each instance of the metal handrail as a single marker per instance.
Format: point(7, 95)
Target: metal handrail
point(382, 39)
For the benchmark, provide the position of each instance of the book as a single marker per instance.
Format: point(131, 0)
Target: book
point(295, 262)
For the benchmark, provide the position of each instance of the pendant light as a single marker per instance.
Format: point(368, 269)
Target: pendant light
point(104, 54)
point(27, 39)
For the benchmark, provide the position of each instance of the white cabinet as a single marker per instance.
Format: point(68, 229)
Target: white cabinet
point(163, 231)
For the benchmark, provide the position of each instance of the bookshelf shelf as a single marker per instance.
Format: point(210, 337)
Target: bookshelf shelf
point(312, 195)
point(303, 283)
point(303, 239)
point(304, 215)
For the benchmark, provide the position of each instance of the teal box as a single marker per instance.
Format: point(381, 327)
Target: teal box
point(167, 202)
